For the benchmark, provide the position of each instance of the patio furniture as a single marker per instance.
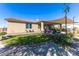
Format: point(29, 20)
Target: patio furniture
point(32, 30)
point(26, 30)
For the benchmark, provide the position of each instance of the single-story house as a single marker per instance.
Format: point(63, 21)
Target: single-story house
point(20, 26)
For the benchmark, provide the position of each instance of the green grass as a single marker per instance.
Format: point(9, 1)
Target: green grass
point(30, 39)
point(39, 38)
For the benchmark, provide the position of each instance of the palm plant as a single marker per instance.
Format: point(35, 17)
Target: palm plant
point(66, 10)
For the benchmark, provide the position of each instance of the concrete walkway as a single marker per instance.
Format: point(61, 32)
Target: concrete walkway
point(2, 45)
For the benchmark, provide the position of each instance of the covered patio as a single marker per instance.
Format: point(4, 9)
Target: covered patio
point(45, 26)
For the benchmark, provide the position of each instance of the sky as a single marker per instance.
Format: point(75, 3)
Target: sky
point(36, 11)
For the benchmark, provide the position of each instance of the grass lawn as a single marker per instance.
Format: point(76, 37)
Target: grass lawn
point(61, 39)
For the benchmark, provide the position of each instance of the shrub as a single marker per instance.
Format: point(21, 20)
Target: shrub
point(2, 33)
point(70, 34)
point(63, 39)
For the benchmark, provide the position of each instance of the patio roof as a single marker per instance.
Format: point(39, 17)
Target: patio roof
point(62, 21)
point(50, 22)
point(17, 20)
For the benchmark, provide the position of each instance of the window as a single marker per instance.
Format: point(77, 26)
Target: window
point(28, 25)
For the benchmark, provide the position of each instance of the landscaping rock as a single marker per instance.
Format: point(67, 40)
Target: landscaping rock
point(44, 49)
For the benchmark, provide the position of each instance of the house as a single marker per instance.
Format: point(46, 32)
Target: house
point(20, 26)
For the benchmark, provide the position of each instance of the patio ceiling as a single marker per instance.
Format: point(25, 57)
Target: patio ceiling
point(46, 22)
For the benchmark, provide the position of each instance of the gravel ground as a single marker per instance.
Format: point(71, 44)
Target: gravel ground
point(45, 49)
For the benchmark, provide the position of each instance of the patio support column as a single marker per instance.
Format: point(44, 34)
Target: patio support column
point(42, 27)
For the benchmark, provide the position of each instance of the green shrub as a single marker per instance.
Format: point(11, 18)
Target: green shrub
point(71, 34)
point(2, 33)
point(63, 39)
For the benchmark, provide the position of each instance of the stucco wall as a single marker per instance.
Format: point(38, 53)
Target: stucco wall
point(19, 28)
point(16, 27)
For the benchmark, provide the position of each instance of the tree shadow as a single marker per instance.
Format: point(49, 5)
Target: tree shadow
point(44, 49)
point(75, 47)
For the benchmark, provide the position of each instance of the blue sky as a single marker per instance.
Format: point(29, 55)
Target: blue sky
point(33, 11)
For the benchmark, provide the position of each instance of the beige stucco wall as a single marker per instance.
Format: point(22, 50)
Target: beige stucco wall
point(20, 28)
point(15, 28)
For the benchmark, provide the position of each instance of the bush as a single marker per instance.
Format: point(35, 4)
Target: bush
point(2, 33)
point(70, 34)
point(61, 39)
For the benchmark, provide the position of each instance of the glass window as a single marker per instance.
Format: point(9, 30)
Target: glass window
point(28, 25)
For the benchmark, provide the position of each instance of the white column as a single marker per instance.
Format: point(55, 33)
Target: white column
point(42, 27)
